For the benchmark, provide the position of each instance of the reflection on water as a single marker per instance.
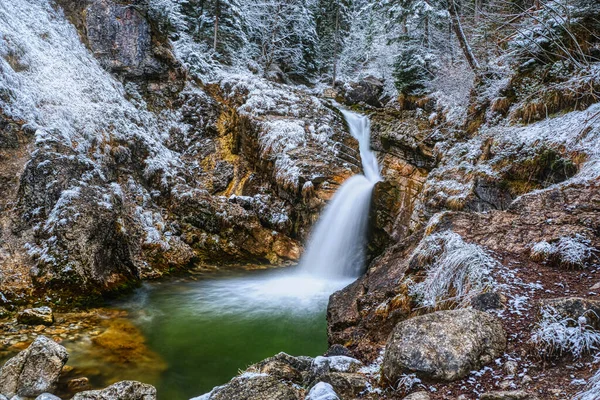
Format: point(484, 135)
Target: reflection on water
point(206, 331)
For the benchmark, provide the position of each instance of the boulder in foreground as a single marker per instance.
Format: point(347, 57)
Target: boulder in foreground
point(444, 345)
point(34, 370)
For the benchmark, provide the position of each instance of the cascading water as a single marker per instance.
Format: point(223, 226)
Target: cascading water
point(337, 246)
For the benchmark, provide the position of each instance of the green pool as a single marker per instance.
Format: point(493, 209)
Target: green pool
point(205, 331)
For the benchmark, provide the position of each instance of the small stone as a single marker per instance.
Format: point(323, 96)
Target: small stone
point(462, 397)
point(506, 384)
point(511, 367)
point(555, 392)
point(47, 396)
point(322, 391)
point(36, 316)
point(39, 328)
point(418, 396)
point(512, 395)
point(596, 286)
point(526, 380)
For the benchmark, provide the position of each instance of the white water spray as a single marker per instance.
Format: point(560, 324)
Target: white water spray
point(337, 246)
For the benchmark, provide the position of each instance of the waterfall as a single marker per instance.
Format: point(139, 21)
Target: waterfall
point(337, 245)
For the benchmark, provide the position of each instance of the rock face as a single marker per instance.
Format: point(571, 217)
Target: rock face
point(36, 316)
point(222, 174)
point(124, 390)
point(33, 371)
point(444, 345)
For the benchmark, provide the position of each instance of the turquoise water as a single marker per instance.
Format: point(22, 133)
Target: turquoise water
point(208, 330)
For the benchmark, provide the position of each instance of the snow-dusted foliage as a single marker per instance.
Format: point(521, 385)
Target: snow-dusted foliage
point(592, 390)
point(556, 334)
point(51, 81)
point(455, 271)
point(569, 252)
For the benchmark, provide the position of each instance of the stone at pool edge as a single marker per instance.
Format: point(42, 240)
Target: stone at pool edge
point(124, 390)
point(444, 345)
point(36, 316)
point(34, 370)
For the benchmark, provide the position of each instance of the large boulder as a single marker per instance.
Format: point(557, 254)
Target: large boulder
point(444, 345)
point(368, 91)
point(33, 371)
point(36, 316)
point(252, 386)
point(124, 390)
point(510, 395)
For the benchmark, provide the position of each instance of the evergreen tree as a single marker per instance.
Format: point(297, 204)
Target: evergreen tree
point(219, 24)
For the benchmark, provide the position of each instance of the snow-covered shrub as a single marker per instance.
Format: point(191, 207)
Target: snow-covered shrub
point(556, 334)
point(455, 271)
point(569, 252)
point(592, 390)
point(407, 382)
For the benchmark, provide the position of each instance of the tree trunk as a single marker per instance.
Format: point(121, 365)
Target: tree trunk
point(462, 40)
point(217, 14)
point(335, 45)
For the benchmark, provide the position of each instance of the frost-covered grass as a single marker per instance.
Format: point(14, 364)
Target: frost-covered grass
point(569, 252)
point(455, 271)
point(557, 335)
point(592, 390)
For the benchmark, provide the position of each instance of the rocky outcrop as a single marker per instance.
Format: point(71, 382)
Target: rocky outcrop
point(33, 371)
point(286, 377)
point(36, 316)
point(125, 390)
point(175, 175)
point(366, 92)
point(444, 345)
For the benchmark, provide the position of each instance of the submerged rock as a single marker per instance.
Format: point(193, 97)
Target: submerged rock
point(34, 370)
point(443, 345)
point(36, 316)
point(124, 390)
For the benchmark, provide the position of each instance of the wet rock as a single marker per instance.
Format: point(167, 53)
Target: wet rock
point(443, 345)
point(418, 396)
point(575, 308)
point(511, 395)
point(347, 385)
point(322, 391)
point(4, 313)
point(36, 316)
point(251, 386)
point(368, 91)
point(79, 385)
point(34, 370)
point(124, 390)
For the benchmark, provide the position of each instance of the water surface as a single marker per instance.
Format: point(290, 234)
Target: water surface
point(208, 330)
